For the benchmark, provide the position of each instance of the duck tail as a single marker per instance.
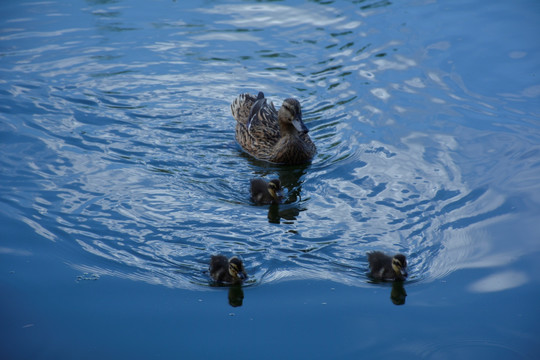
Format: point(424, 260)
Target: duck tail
point(241, 107)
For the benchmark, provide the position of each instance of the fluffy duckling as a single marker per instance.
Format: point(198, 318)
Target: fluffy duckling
point(271, 135)
point(227, 270)
point(384, 267)
point(263, 192)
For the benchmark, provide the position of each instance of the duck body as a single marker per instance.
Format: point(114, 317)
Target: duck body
point(384, 267)
point(225, 270)
point(266, 192)
point(271, 135)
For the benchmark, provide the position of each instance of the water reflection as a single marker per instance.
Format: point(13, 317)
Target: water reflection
point(235, 293)
point(288, 213)
point(500, 281)
point(265, 15)
point(236, 296)
point(398, 293)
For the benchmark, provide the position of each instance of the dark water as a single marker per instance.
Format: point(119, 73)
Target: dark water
point(120, 176)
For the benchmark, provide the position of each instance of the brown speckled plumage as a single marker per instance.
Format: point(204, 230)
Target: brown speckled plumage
point(271, 135)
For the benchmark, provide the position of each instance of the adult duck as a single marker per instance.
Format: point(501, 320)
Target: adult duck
point(271, 135)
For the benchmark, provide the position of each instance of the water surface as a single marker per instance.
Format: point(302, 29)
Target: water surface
point(121, 176)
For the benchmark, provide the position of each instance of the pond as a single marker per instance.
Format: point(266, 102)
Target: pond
point(121, 176)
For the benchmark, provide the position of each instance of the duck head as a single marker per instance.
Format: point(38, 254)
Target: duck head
point(274, 189)
point(236, 269)
point(399, 265)
point(290, 114)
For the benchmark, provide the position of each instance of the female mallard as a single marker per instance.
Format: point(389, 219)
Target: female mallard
point(384, 267)
point(266, 192)
point(227, 270)
point(270, 135)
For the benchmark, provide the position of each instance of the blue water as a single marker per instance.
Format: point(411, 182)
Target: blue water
point(120, 177)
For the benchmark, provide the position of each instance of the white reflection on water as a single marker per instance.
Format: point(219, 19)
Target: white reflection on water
point(264, 15)
point(224, 36)
point(499, 282)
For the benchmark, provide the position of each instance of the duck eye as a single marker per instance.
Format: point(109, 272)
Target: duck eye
point(289, 109)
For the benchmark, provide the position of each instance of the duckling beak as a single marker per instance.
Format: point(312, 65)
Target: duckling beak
point(242, 275)
point(299, 125)
point(403, 272)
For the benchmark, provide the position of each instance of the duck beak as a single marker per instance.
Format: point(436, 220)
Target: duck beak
point(299, 125)
point(242, 275)
point(403, 272)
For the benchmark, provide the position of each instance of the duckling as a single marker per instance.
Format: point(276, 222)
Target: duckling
point(384, 267)
point(271, 135)
point(227, 270)
point(263, 192)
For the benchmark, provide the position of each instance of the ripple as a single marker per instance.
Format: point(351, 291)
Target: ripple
point(263, 15)
point(125, 149)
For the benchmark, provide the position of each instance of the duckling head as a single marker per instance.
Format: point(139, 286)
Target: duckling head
point(236, 269)
point(399, 265)
point(290, 113)
point(274, 189)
